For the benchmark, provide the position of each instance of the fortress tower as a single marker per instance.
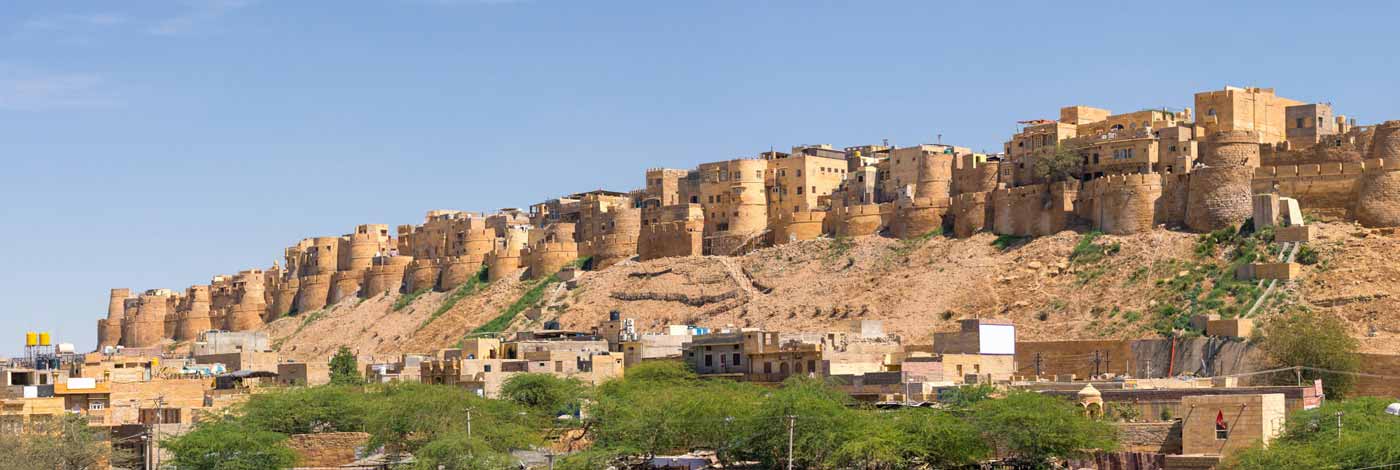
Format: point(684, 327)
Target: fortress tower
point(194, 314)
point(504, 260)
point(551, 250)
point(247, 314)
point(1378, 195)
point(475, 245)
point(1219, 192)
point(109, 331)
point(146, 327)
point(422, 275)
point(386, 275)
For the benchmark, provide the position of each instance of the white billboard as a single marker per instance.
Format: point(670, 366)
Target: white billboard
point(997, 339)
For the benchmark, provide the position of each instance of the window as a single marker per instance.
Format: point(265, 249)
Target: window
point(487, 368)
point(799, 172)
point(814, 189)
point(736, 359)
point(799, 190)
point(709, 361)
point(1299, 122)
point(1210, 112)
point(768, 368)
point(811, 365)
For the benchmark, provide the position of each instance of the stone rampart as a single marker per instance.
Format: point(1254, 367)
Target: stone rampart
point(386, 275)
point(935, 176)
point(671, 239)
point(1378, 196)
point(195, 316)
point(422, 275)
point(797, 226)
point(546, 258)
point(919, 216)
point(857, 221)
point(346, 284)
point(284, 298)
point(1121, 204)
point(458, 269)
point(314, 292)
point(972, 176)
point(1034, 210)
point(969, 213)
point(1333, 186)
point(1220, 192)
point(610, 249)
point(502, 263)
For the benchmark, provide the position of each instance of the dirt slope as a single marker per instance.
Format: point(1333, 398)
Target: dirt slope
point(917, 287)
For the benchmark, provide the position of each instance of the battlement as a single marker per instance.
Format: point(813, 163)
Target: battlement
point(925, 202)
point(551, 247)
point(1117, 183)
point(801, 217)
point(860, 210)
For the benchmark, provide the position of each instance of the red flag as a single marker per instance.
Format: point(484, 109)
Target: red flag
point(1220, 421)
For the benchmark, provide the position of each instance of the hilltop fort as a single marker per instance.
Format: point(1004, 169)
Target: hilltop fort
point(1198, 170)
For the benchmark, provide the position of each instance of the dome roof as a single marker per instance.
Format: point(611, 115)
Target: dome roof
point(1089, 391)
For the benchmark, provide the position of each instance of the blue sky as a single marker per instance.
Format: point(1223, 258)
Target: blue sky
point(156, 144)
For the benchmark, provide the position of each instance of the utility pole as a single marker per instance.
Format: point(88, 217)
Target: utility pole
point(1037, 365)
point(155, 439)
point(469, 423)
point(1339, 426)
point(792, 425)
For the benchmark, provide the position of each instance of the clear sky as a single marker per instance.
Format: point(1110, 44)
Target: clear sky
point(158, 143)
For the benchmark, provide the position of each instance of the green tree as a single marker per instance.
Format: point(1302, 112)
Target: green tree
point(1064, 164)
point(228, 444)
point(406, 417)
point(910, 438)
point(967, 395)
point(1316, 340)
point(544, 393)
point(456, 451)
point(663, 409)
point(1039, 428)
point(1312, 440)
point(305, 410)
point(64, 443)
point(344, 368)
point(821, 418)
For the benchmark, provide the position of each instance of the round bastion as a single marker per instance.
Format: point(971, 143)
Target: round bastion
point(1378, 193)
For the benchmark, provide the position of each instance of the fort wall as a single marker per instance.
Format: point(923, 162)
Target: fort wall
point(973, 176)
point(386, 275)
point(109, 331)
point(858, 221)
point(195, 316)
point(346, 284)
point(1121, 204)
point(671, 239)
point(1378, 199)
point(1034, 210)
point(1220, 192)
point(284, 298)
point(422, 275)
point(797, 226)
point(548, 257)
point(919, 216)
point(970, 213)
point(314, 292)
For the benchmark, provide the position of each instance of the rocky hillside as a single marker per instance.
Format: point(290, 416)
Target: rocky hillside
point(1067, 286)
